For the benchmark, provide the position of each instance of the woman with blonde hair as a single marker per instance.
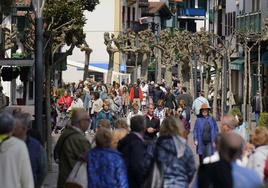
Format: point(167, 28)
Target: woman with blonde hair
point(174, 155)
point(259, 139)
point(120, 131)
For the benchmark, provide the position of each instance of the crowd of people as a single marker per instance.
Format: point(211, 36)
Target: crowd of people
point(141, 139)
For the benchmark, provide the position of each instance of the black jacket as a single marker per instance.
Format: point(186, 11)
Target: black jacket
point(154, 123)
point(170, 101)
point(136, 157)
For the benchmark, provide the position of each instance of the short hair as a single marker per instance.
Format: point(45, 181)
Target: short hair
point(104, 123)
point(260, 136)
point(182, 103)
point(121, 124)
point(170, 127)
point(137, 123)
point(103, 138)
point(184, 89)
point(7, 123)
point(76, 116)
point(25, 119)
point(230, 121)
point(135, 105)
point(169, 112)
point(160, 102)
point(106, 103)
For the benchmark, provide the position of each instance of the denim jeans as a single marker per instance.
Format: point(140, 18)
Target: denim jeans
point(257, 115)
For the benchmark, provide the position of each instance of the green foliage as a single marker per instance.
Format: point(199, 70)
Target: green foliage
point(65, 20)
point(90, 4)
point(263, 120)
point(235, 111)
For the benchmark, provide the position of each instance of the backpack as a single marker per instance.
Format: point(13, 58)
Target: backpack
point(206, 133)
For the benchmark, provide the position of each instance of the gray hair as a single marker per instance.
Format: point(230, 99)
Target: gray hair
point(7, 123)
point(24, 119)
point(230, 121)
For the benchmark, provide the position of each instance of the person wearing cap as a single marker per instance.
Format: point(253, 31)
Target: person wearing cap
point(205, 132)
point(198, 102)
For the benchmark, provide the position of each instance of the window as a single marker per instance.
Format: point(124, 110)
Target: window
point(133, 14)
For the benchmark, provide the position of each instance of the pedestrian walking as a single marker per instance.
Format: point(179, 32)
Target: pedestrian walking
point(125, 99)
point(205, 132)
point(184, 114)
point(135, 111)
point(198, 102)
point(160, 111)
point(135, 152)
point(158, 94)
point(257, 159)
point(105, 113)
point(135, 94)
point(37, 153)
point(3, 99)
point(96, 108)
point(71, 145)
point(120, 131)
point(15, 163)
point(152, 124)
point(145, 92)
point(186, 97)
point(174, 155)
point(256, 106)
point(76, 102)
point(106, 167)
point(170, 101)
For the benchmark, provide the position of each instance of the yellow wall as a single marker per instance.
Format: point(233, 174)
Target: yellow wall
point(117, 28)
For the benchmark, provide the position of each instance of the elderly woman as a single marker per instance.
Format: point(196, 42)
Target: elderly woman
point(106, 167)
point(175, 156)
point(257, 159)
point(205, 132)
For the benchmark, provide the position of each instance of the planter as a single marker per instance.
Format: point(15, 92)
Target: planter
point(20, 101)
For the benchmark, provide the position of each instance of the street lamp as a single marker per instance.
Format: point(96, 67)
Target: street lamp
point(38, 108)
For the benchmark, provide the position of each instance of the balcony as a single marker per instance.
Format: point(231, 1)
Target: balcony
point(143, 3)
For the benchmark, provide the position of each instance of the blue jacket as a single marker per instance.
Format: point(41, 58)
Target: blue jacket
point(38, 160)
point(104, 115)
point(106, 168)
point(178, 164)
point(198, 129)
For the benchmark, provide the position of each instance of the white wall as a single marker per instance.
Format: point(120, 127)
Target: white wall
point(72, 74)
point(99, 21)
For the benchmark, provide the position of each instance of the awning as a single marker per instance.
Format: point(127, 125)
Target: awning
point(161, 7)
point(237, 64)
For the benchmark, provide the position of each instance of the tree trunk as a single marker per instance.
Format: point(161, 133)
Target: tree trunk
point(168, 74)
point(48, 113)
point(191, 80)
point(259, 76)
point(159, 66)
point(216, 88)
point(245, 84)
point(111, 68)
point(144, 67)
point(180, 77)
point(87, 59)
point(207, 81)
point(231, 95)
point(249, 91)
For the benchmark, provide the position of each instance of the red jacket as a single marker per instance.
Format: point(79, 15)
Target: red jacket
point(65, 102)
point(131, 94)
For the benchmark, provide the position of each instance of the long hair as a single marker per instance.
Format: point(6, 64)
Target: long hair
point(171, 127)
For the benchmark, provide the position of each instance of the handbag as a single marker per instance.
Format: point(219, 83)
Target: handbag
point(78, 176)
point(156, 177)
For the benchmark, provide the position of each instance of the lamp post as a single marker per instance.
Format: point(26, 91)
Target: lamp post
point(38, 108)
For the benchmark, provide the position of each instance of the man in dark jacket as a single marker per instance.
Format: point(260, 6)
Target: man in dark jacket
point(186, 97)
point(72, 145)
point(152, 124)
point(135, 154)
point(158, 94)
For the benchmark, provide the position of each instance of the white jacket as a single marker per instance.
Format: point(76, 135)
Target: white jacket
point(131, 114)
point(257, 160)
point(15, 166)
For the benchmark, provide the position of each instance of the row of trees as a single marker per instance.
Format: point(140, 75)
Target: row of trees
point(182, 48)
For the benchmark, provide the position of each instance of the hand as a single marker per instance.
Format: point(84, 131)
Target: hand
point(195, 143)
point(150, 130)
